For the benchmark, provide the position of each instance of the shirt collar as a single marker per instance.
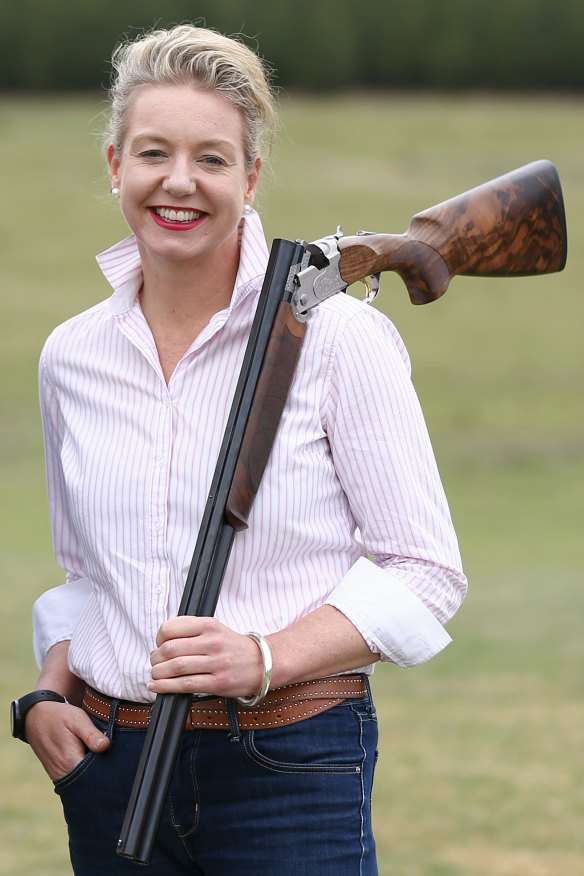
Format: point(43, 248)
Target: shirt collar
point(122, 268)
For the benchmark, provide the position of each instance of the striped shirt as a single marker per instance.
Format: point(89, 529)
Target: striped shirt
point(129, 461)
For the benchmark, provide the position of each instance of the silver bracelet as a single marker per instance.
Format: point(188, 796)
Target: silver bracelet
point(265, 685)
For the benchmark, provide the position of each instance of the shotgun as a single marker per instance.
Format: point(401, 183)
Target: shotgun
point(514, 225)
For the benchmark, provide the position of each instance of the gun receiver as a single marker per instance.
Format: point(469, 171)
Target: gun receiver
point(514, 225)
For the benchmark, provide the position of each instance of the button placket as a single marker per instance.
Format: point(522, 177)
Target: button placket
point(162, 443)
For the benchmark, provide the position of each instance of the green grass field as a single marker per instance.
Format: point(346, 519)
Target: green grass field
point(481, 770)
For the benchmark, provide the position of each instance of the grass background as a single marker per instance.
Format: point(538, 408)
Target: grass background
point(481, 770)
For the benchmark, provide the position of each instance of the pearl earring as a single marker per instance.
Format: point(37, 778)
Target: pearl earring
point(246, 209)
point(116, 192)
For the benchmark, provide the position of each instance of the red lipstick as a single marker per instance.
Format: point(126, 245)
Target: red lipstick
point(176, 224)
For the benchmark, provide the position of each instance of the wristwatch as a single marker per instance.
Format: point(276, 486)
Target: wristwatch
point(20, 707)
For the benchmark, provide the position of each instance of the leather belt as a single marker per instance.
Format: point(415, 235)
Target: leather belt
point(281, 706)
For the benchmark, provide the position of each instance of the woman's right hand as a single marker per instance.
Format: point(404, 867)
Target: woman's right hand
point(61, 735)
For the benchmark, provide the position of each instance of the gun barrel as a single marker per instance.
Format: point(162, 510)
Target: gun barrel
point(211, 555)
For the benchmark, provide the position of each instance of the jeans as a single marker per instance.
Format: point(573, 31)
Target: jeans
point(288, 801)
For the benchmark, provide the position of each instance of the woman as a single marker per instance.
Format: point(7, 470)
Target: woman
point(135, 394)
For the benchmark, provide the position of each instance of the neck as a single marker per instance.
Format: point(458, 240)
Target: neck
point(178, 292)
point(179, 299)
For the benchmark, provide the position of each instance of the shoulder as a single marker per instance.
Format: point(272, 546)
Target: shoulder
point(74, 331)
point(345, 324)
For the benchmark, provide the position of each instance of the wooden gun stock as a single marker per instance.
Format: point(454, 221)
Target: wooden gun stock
point(514, 225)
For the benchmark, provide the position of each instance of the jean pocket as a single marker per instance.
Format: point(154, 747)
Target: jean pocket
point(328, 743)
point(73, 775)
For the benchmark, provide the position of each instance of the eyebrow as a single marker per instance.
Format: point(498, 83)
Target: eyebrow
point(210, 143)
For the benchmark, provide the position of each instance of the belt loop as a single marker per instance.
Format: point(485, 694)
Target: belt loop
point(370, 703)
point(234, 731)
point(111, 721)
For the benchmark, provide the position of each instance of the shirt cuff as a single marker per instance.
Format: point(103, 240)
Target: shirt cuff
point(55, 615)
point(393, 621)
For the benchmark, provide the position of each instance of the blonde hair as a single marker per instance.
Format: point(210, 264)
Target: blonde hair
point(190, 55)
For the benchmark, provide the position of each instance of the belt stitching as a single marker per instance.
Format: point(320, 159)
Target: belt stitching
point(210, 723)
point(284, 720)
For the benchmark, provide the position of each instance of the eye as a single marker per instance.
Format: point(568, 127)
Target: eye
point(214, 161)
point(151, 153)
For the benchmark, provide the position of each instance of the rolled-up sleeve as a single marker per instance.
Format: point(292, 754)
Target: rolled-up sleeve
point(394, 622)
point(55, 615)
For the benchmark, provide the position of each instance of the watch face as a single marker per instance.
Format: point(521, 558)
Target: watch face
point(15, 720)
point(20, 708)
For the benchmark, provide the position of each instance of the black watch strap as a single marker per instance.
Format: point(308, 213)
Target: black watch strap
point(20, 707)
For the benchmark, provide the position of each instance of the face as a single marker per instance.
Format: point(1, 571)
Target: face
point(181, 174)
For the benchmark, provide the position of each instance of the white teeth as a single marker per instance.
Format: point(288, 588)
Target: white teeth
point(177, 215)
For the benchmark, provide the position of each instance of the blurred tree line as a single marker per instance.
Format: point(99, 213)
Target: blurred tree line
point(313, 44)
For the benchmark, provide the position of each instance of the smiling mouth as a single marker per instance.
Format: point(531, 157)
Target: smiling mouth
point(178, 216)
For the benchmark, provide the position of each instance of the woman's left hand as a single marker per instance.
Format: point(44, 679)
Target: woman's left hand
point(200, 655)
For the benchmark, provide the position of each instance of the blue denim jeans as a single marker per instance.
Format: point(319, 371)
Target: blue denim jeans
point(289, 801)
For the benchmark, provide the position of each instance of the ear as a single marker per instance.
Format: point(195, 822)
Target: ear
point(114, 166)
point(253, 179)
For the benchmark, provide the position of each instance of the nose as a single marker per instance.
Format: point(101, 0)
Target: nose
point(180, 179)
